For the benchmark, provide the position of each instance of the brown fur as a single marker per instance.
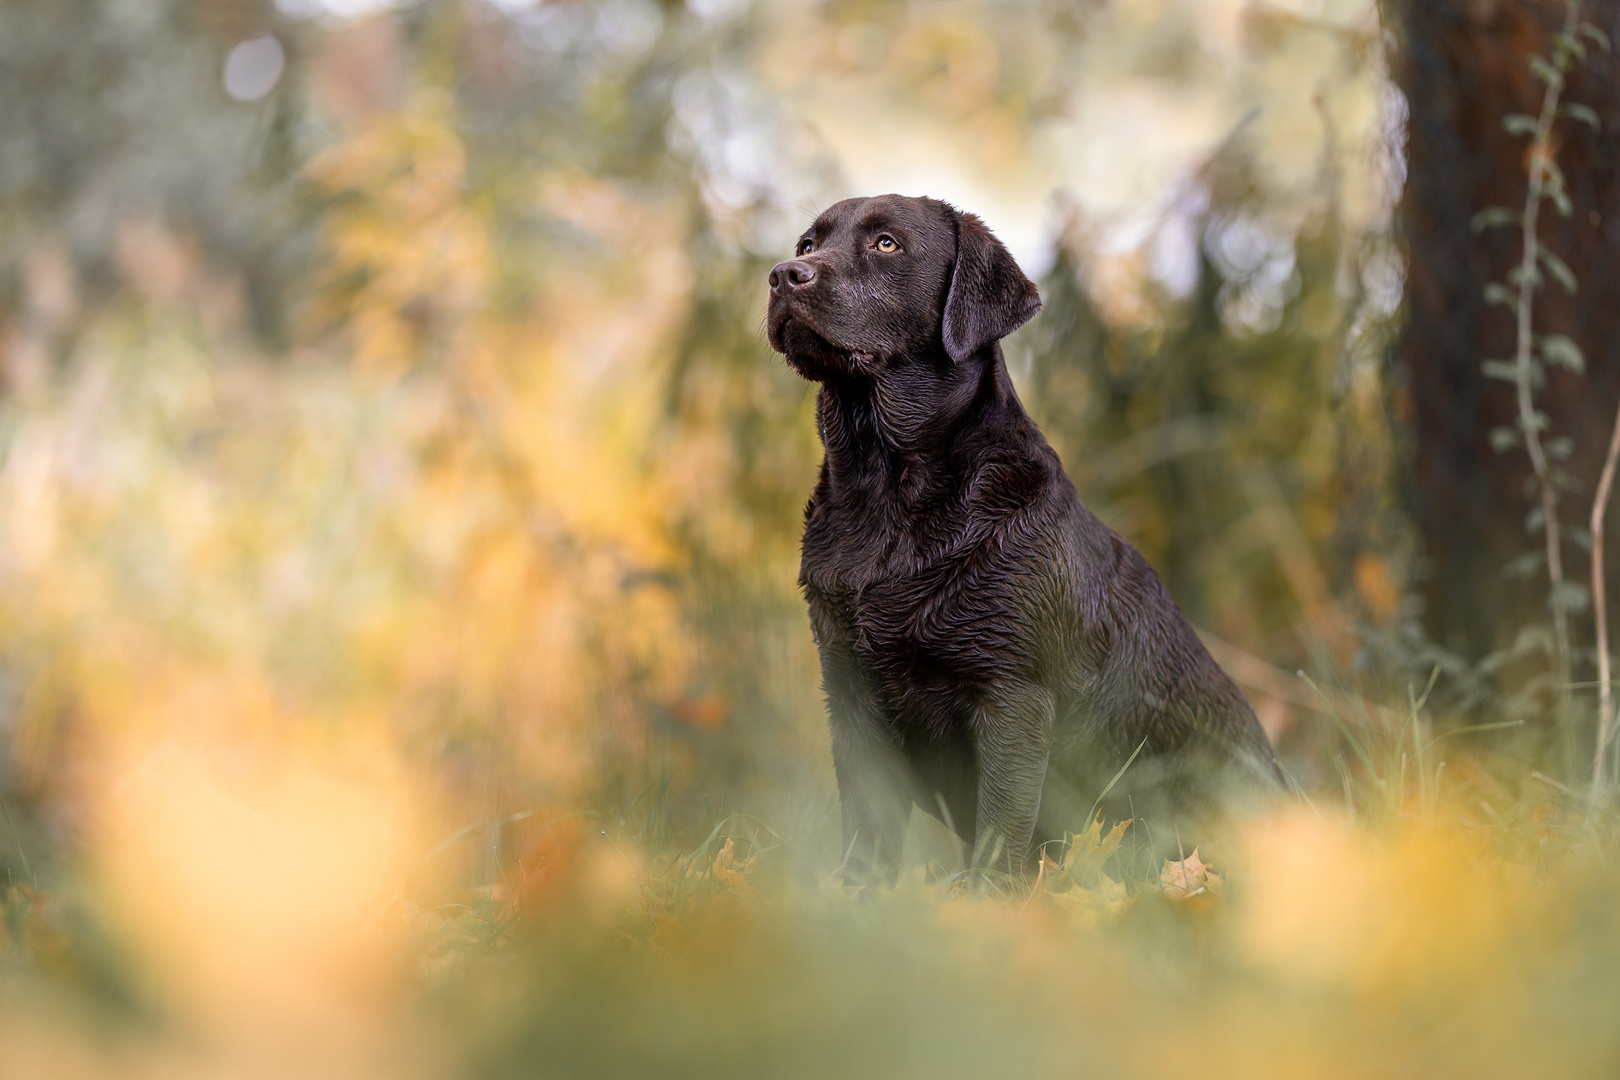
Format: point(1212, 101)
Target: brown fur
point(990, 651)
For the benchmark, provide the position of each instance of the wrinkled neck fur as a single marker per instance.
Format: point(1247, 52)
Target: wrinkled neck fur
point(902, 422)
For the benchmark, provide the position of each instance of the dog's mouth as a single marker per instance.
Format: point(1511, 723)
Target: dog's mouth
point(815, 356)
point(778, 332)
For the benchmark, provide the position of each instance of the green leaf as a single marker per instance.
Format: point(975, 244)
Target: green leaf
point(1570, 44)
point(1526, 565)
point(1554, 174)
point(1519, 274)
point(1533, 639)
point(1559, 269)
point(1584, 113)
point(1519, 124)
point(1561, 201)
point(1506, 370)
point(1504, 438)
point(1568, 596)
point(1560, 448)
point(1541, 69)
point(1534, 520)
point(1562, 351)
point(1537, 420)
point(1494, 216)
point(1592, 33)
point(1497, 293)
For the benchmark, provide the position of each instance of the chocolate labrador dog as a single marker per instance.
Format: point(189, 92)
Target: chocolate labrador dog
point(990, 651)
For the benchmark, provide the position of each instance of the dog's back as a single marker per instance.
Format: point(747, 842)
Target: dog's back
point(1146, 691)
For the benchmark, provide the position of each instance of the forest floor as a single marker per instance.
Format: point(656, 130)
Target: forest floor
point(1472, 930)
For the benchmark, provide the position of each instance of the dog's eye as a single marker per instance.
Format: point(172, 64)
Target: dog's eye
point(806, 247)
point(886, 244)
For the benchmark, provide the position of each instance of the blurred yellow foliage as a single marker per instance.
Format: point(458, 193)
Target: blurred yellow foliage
point(333, 664)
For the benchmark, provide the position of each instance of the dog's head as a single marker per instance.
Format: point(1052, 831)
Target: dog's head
point(888, 279)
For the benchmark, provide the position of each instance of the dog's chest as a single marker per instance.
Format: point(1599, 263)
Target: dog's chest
point(915, 615)
point(932, 589)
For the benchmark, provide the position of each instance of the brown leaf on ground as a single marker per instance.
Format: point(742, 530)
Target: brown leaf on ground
point(550, 866)
point(1189, 877)
point(734, 873)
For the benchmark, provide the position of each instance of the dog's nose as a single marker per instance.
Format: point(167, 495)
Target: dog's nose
point(790, 275)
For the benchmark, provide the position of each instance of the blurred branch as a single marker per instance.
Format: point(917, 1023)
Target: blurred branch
point(1258, 674)
point(1542, 173)
point(1298, 562)
point(17, 842)
point(1175, 438)
point(1600, 611)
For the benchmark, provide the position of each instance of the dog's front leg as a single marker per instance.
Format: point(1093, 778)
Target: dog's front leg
point(1013, 739)
point(873, 794)
point(874, 790)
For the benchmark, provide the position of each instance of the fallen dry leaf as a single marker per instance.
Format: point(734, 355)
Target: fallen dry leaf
point(1087, 851)
point(734, 873)
point(1189, 877)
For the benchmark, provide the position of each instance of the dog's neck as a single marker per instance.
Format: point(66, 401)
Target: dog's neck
point(898, 427)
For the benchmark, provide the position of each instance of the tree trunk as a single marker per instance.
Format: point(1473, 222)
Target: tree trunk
point(1463, 66)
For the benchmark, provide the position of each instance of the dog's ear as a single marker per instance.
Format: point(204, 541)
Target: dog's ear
point(990, 297)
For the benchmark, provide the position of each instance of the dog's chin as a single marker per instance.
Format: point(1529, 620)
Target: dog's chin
point(818, 359)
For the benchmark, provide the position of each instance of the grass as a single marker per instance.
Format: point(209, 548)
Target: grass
point(1437, 917)
point(1430, 945)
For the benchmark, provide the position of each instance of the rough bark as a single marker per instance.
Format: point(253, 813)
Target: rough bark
point(1463, 66)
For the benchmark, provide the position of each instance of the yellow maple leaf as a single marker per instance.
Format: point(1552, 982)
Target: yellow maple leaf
point(1087, 851)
